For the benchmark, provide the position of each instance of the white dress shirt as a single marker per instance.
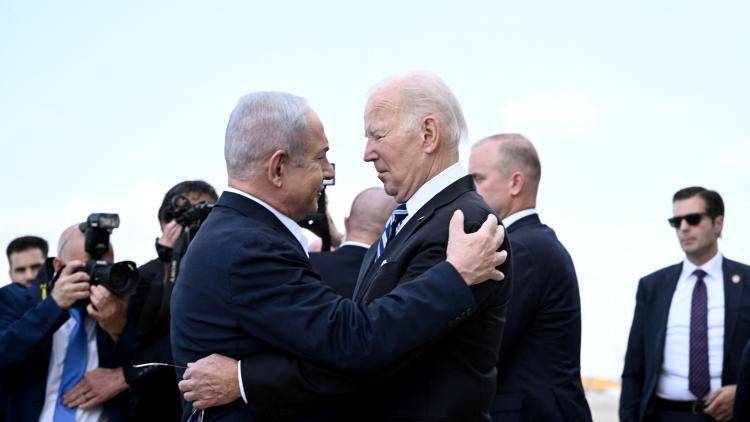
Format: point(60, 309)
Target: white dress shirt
point(296, 231)
point(507, 221)
point(56, 361)
point(431, 188)
point(673, 380)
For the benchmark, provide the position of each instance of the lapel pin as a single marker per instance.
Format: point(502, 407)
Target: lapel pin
point(736, 278)
point(385, 261)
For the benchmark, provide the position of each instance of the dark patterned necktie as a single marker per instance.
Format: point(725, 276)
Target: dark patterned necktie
point(699, 378)
point(390, 228)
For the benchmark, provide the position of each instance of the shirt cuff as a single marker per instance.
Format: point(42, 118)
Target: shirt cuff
point(239, 377)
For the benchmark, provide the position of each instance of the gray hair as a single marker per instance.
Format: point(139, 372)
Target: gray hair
point(262, 123)
point(422, 94)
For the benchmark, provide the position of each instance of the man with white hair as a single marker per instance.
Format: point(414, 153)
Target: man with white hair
point(246, 287)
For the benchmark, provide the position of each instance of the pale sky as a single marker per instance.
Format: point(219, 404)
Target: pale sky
point(104, 106)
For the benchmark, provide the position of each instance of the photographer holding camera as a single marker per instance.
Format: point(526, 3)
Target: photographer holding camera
point(154, 391)
point(63, 338)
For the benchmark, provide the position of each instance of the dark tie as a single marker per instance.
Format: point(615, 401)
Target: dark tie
point(74, 365)
point(397, 217)
point(699, 377)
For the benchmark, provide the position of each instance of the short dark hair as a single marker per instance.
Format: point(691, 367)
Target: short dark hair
point(184, 188)
point(714, 203)
point(25, 243)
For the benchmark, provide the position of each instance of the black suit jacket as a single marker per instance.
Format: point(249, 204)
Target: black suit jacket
point(644, 356)
point(539, 372)
point(339, 269)
point(742, 398)
point(246, 288)
point(451, 380)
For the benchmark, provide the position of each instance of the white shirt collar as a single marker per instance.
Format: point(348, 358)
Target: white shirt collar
point(290, 224)
point(431, 188)
point(507, 221)
point(712, 267)
point(353, 243)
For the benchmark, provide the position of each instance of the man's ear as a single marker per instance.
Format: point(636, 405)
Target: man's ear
point(57, 264)
point(718, 225)
point(277, 166)
point(517, 182)
point(430, 134)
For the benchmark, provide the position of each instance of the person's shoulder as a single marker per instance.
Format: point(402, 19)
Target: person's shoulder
point(473, 206)
point(737, 266)
point(661, 275)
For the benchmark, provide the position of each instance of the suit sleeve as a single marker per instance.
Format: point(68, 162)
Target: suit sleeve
point(303, 317)
point(21, 331)
point(526, 296)
point(273, 381)
point(633, 372)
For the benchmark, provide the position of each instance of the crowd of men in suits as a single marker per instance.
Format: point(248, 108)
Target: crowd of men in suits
point(426, 310)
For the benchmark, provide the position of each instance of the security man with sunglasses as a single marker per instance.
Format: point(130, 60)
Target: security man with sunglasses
point(688, 330)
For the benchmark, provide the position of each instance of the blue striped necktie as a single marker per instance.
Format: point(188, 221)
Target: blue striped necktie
point(399, 214)
point(74, 365)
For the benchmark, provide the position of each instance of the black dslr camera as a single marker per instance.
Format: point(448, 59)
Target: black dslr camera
point(187, 215)
point(120, 278)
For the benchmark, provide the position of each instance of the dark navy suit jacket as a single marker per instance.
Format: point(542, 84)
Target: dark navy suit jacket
point(451, 379)
point(539, 372)
point(339, 269)
point(742, 398)
point(644, 356)
point(246, 288)
point(27, 325)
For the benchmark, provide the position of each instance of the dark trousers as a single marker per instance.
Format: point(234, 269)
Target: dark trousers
point(670, 416)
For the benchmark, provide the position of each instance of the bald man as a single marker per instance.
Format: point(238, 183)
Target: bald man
point(59, 358)
point(539, 374)
point(369, 212)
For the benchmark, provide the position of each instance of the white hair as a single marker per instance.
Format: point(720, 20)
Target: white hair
point(424, 93)
point(260, 124)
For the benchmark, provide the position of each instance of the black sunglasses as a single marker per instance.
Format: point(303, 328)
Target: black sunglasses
point(692, 219)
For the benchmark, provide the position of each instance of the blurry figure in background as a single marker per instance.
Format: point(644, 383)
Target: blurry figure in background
point(690, 324)
point(62, 340)
point(154, 390)
point(366, 221)
point(26, 256)
point(539, 371)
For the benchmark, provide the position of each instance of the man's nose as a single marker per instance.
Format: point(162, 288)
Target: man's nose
point(369, 151)
point(328, 171)
point(684, 226)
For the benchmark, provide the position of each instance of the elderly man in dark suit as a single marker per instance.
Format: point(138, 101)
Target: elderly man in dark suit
point(367, 217)
point(246, 288)
point(539, 372)
point(688, 329)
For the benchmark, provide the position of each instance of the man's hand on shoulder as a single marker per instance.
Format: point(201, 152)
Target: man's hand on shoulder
point(475, 255)
point(211, 381)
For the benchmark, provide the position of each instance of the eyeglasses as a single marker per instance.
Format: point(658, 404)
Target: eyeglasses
point(692, 219)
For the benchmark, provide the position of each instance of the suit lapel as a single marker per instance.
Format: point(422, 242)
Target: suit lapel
point(662, 303)
point(732, 298)
point(423, 215)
